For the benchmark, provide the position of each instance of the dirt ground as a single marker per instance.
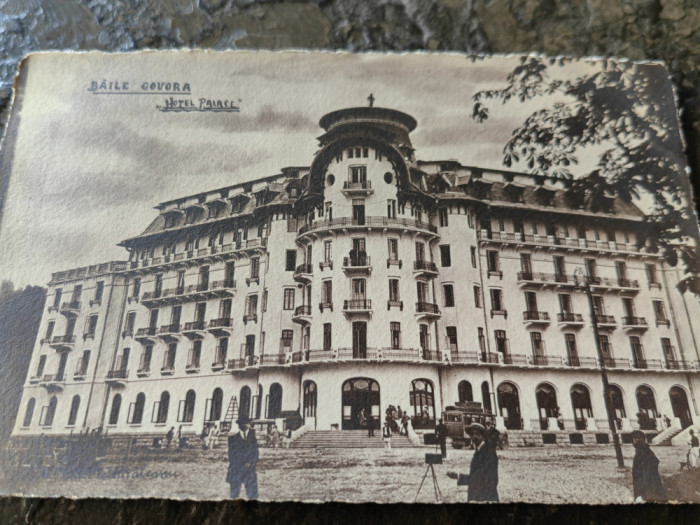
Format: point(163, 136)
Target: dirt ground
point(543, 475)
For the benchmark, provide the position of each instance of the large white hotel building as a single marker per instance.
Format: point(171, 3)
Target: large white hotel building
point(369, 278)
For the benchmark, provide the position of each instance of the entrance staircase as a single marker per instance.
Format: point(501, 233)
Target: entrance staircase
point(665, 437)
point(348, 439)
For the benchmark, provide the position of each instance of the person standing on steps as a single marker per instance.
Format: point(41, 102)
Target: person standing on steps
point(370, 424)
point(243, 459)
point(386, 435)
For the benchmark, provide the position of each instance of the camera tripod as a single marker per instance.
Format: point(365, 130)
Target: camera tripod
point(436, 487)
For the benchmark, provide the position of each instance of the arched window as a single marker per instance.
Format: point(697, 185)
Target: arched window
point(509, 405)
point(162, 410)
point(116, 406)
point(581, 402)
point(423, 403)
point(188, 408)
point(29, 412)
point(680, 407)
point(647, 408)
point(258, 402)
point(310, 399)
point(244, 409)
point(50, 411)
point(464, 391)
point(547, 406)
point(486, 397)
point(618, 404)
point(74, 406)
point(274, 404)
point(137, 418)
point(217, 401)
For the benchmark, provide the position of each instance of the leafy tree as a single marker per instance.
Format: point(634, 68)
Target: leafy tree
point(623, 113)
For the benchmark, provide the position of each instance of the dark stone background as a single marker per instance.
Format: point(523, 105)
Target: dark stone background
point(667, 30)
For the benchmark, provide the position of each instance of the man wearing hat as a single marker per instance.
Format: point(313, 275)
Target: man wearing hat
point(243, 459)
point(483, 472)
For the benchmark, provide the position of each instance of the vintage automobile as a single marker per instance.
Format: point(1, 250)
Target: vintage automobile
point(457, 418)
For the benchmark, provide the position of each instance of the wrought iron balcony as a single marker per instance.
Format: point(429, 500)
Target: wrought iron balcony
point(427, 268)
point(251, 317)
point(605, 320)
point(363, 305)
point(302, 314)
point(587, 362)
point(357, 188)
point(119, 373)
point(636, 323)
point(303, 272)
point(221, 326)
point(570, 318)
point(70, 308)
point(325, 305)
point(386, 222)
point(396, 304)
point(394, 262)
point(62, 342)
point(535, 317)
point(427, 309)
point(357, 264)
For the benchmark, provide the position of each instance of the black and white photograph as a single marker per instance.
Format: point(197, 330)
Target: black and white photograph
point(317, 276)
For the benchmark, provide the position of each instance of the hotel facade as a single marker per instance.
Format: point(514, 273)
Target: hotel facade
point(367, 279)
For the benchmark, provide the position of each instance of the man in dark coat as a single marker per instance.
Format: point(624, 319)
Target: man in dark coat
point(483, 472)
point(441, 436)
point(646, 480)
point(243, 459)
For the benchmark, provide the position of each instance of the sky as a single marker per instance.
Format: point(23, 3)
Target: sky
point(85, 170)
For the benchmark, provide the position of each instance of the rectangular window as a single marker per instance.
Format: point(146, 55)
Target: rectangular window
point(442, 217)
point(445, 257)
point(391, 208)
point(264, 301)
point(91, 326)
point(394, 295)
point(327, 337)
point(159, 286)
point(251, 305)
point(526, 265)
point(531, 302)
point(286, 340)
point(137, 287)
point(565, 303)
point(328, 251)
point(329, 211)
point(395, 329)
point(420, 251)
point(501, 342)
point(180, 282)
point(358, 174)
point(175, 317)
point(99, 290)
point(571, 349)
point(449, 295)
point(497, 300)
point(621, 269)
point(591, 269)
point(77, 292)
point(57, 297)
point(327, 292)
point(255, 268)
point(537, 346)
point(452, 338)
point(288, 299)
point(203, 279)
point(492, 261)
point(358, 289)
point(291, 261)
point(49, 329)
point(559, 269)
point(652, 277)
point(393, 245)
point(40, 367)
point(472, 250)
point(477, 296)
point(660, 312)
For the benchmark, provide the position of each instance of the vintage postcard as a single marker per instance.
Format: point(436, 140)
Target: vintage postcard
point(336, 277)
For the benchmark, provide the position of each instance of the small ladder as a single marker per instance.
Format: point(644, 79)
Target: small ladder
point(231, 413)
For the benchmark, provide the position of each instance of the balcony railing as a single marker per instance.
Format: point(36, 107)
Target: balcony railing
point(145, 332)
point(169, 329)
point(71, 305)
point(628, 283)
point(569, 317)
point(357, 186)
point(304, 309)
point(394, 262)
point(304, 269)
point(427, 308)
point(577, 361)
point(120, 373)
point(552, 240)
point(252, 317)
point(272, 359)
point(396, 304)
point(325, 264)
point(226, 283)
point(425, 266)
point(325, 305)
point(533, 315)
point(634, 321)
point(220, 322)
point(605, 319)
point(653, 364)
point(357, 261)
point(673, 364)
point(194, 325)
point(541, 360)
point(343, 222)
point(357, 304)
point(63, 339)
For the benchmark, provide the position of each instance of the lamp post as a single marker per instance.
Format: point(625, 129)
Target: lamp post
point(578, 273)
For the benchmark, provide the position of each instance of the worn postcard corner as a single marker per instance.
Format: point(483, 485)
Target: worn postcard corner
point(337, 277)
